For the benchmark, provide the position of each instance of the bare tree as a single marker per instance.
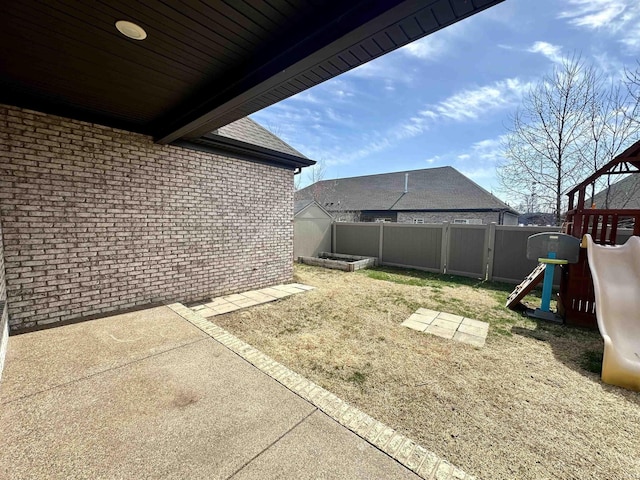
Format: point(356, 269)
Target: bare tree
point(570, 124)
point(612, 125)
point(543, 143)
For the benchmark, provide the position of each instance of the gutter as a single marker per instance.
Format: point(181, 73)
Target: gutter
point(219, 144)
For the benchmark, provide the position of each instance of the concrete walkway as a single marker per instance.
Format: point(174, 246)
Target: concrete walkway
point(149, 395)
point(231, 303)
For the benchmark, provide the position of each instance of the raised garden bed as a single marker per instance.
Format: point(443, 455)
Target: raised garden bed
point(338, 261)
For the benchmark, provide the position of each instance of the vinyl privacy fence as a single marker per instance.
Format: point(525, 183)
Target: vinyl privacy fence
point(490, 252)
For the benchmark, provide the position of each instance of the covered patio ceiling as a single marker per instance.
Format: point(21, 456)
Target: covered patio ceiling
point(204, 64)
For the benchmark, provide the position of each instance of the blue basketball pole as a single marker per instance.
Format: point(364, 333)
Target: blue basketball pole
point(547, 284)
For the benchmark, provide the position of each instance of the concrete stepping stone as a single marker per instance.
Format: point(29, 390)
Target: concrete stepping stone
point(449, 326)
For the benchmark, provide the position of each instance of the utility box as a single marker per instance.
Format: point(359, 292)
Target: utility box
point(553, 245)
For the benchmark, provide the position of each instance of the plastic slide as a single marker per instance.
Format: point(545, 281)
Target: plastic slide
point(616, 281)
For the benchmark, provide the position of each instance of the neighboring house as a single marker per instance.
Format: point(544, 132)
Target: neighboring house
point(537, 219)
point(431, 195)
point(311, 229)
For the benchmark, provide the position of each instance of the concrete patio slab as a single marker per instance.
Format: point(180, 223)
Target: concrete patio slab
point(197, 408)
point(155, 407)
point(41, 360)
point(311, 451)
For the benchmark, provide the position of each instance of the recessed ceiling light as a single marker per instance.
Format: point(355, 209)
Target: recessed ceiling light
point(131, 30)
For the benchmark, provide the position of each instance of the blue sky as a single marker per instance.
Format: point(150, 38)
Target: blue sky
point(446, 99)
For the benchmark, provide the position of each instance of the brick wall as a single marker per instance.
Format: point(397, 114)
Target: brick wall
point(4, 311)
point(97, 219)
point(439, 217)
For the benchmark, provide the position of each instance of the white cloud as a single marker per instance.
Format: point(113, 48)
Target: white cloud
point(432, 160)
point(478, 174)
point(619, 18)
point(552, 52)
point(464, 156)
point(471, 104)
point(489, 150)
point(427, 48)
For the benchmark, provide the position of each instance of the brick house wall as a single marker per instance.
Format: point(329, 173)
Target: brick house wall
point(97, 219)
point(439, 217)
point(4, 311)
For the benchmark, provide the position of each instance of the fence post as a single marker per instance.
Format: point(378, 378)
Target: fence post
point(445, 247)
point(334, 247)
point(380, 243)
point(489, 253)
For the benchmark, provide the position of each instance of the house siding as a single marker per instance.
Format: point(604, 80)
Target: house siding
point(439, 217)
point(97, 220)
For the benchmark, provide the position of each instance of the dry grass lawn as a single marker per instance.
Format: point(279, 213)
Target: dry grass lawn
point(525, 406)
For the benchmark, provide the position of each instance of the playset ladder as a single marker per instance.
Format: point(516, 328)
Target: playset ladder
point(528, 284)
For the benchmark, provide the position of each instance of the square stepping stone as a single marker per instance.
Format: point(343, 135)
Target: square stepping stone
point(216, 301)
point(478, 331)
point(447, 333)
point(259, 296)
point(274, 293)
point(207, 312)
point(288, 289)
point(450, 317)
point(449, 326)
point(229, 307)
point(233, 298)
point(246, 302)
point(475, 323)
point(416, 317)
point(444, 323)
point(474, 340)
point(412, 324)
point(425, 312)
point(301, 286)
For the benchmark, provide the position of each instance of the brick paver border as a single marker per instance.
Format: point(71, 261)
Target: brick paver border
point(416, 458)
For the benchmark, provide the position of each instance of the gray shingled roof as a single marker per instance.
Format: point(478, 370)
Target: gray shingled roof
point(442, 188)
point(624, 194)
point(249, 131)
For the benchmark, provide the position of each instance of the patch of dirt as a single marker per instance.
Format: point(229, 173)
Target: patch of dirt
point(522, 407)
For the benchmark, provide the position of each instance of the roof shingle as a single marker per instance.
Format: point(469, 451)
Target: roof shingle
point(442, 188)
point(249, 131)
